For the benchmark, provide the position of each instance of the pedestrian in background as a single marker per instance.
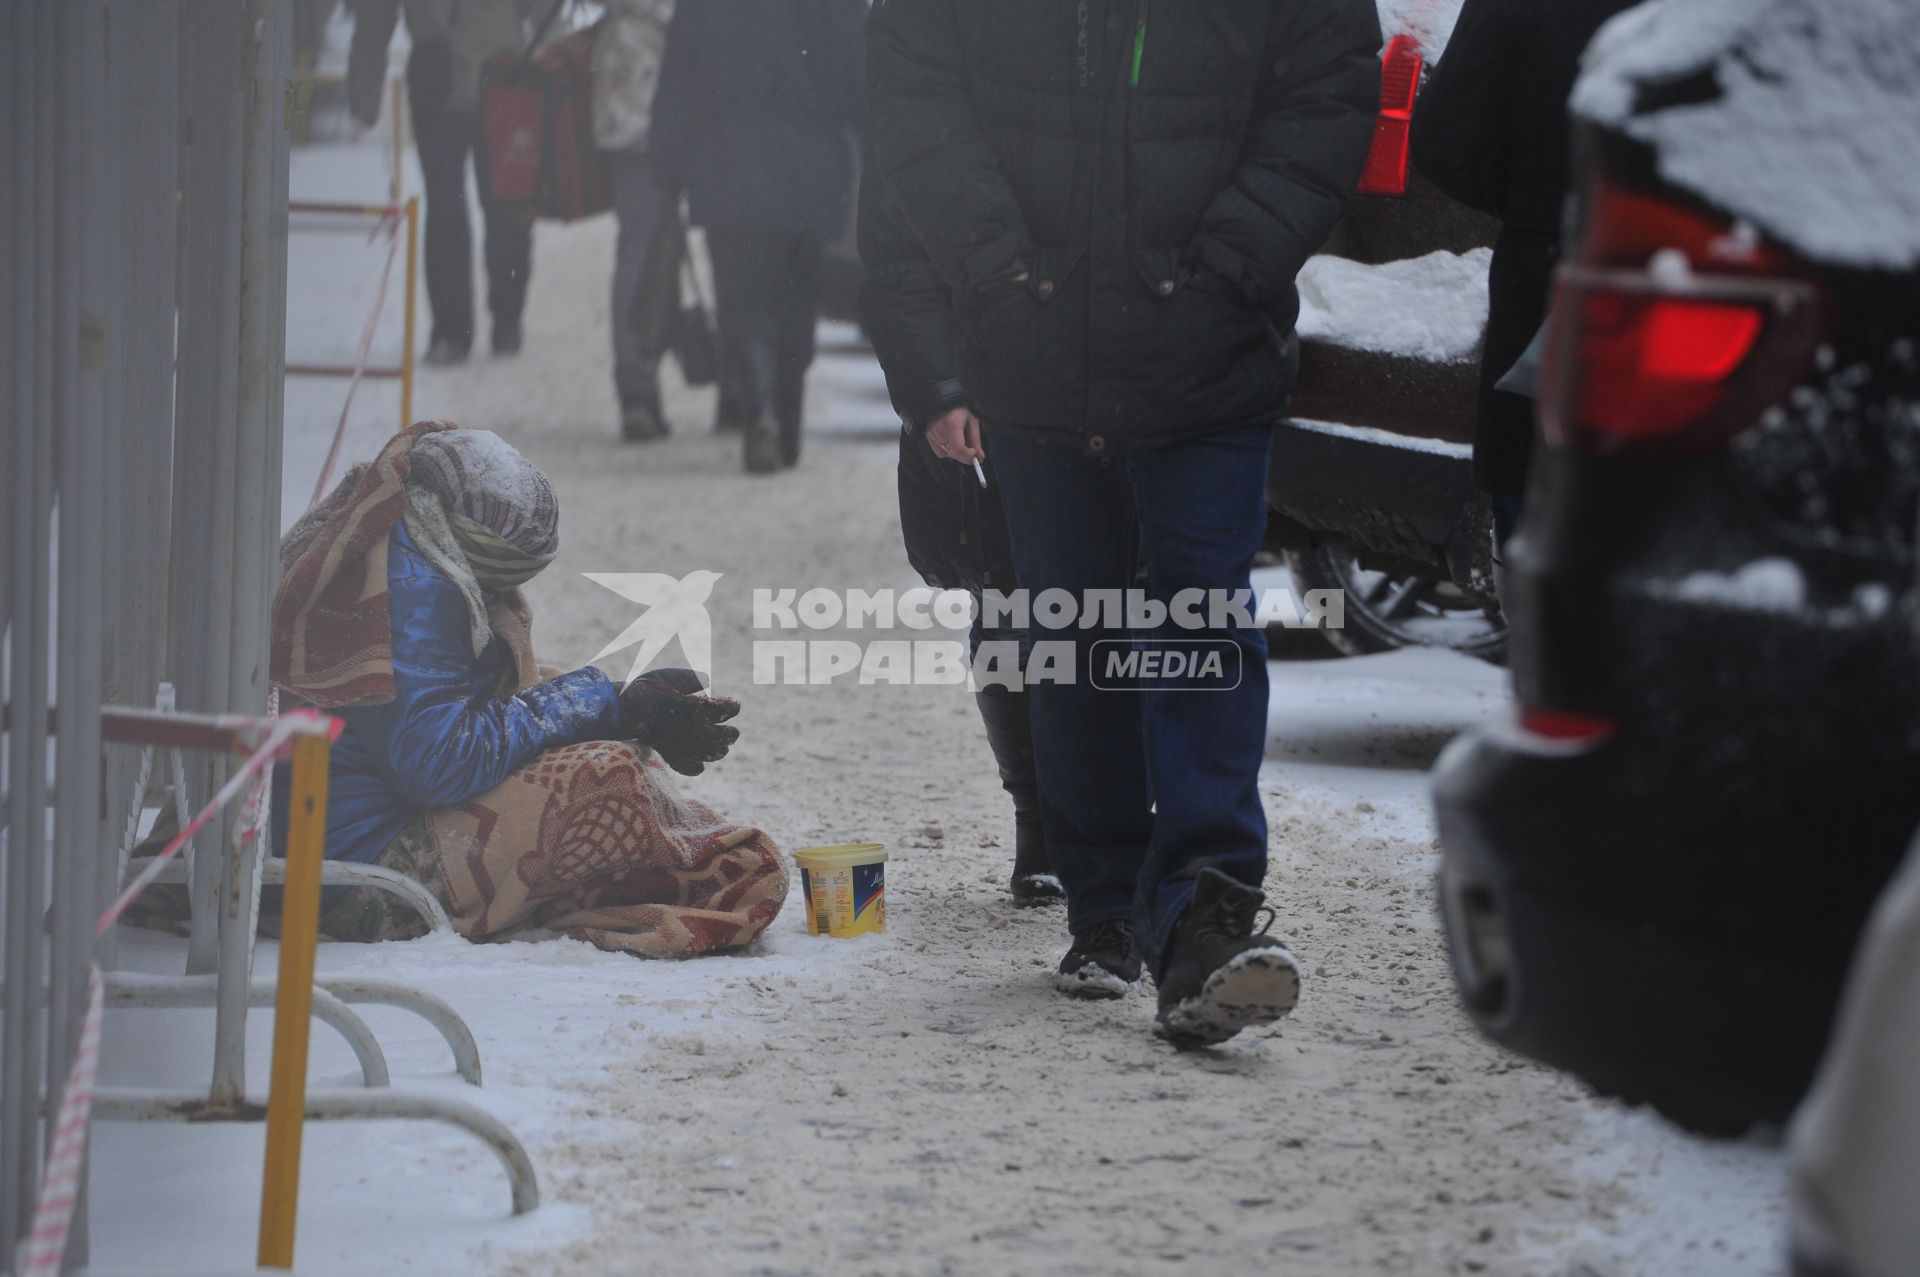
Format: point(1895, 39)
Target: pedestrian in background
point(1492, 132)
point(1119, 196)
point(452, 40)
point(651, 243)
point(955, 531)
point(758, 106)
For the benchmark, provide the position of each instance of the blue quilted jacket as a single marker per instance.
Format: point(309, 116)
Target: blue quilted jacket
point(444, 737)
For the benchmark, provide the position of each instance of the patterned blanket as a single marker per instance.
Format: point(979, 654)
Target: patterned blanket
point(593, 841)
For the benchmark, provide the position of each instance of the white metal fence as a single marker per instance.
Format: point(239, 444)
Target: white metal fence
point(143, 180)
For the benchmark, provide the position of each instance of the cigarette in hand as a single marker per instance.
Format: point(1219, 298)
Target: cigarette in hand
point(979, 472)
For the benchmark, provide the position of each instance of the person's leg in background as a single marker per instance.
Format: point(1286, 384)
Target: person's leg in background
point(747, 267)
point(1203, 512)
point(1006, 713)
point(646, 256)
point(509, 250)
point(1073, 528)
point(799, 314)
point(1506, 517)
point(442, 145)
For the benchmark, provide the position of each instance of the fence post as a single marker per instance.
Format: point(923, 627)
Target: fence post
point(88, 477)
point(143, 53)
point(212, 105)
point(299, 935)
point(31, 75)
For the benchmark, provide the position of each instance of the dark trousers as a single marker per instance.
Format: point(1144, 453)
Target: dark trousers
point(767, 293)
point(444, 140)
point(646, 276)
point(1141, 788)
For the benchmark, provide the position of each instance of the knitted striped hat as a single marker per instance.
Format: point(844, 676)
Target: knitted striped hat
point(481, 476)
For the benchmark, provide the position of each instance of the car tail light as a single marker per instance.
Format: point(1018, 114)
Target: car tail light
point(1386, 171)
point(1557, 725)
point(1673, 330)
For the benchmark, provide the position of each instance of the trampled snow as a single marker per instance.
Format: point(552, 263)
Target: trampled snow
point(1807, 122)
point(1432, 307)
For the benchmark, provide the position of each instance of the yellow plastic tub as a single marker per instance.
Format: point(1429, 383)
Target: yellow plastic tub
point(846, 888)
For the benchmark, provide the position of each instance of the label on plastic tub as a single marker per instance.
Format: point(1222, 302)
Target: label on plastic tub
point(845, 887)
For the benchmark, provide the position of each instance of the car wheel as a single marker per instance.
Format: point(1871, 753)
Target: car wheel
point(1385, 611)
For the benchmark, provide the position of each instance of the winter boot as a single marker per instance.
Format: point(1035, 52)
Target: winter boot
point(1101, 964)
point(1010, 735)
point(762, 452)
point(445, 352)
point(790, 441)
point(643, 421)
point(1220, 975)
point(762, 447)
point(790, 406)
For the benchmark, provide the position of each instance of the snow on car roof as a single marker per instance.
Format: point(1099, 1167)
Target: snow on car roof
point(1432, 308)
point(1814, 134)
point(1428, 21)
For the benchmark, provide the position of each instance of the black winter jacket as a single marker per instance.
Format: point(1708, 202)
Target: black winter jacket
point(755, 109)
point(1491, 131)
point(1119, 195)
point(955, 530)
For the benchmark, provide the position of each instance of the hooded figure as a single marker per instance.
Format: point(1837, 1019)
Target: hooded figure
point(521, 797)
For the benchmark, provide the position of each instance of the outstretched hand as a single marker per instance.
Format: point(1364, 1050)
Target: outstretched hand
point(668, 711)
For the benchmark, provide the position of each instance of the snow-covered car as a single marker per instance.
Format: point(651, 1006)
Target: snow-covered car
point(1655, 874)
point(1370, 489)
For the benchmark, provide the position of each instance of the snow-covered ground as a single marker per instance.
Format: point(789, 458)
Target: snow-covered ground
point(918, 1102)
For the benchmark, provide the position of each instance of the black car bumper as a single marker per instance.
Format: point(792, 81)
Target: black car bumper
point(1715, 1019)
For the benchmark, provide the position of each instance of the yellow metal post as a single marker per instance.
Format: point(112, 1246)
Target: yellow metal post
point(397, 159)
point(413, 288)
point(299, 935)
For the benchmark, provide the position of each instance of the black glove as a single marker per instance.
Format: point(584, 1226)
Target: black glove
point(665, 711)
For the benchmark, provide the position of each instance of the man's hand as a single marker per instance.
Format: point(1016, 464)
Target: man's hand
point(667, 711)
point(956, 437)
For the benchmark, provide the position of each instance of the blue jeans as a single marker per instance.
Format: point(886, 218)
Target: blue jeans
point(1141, 789)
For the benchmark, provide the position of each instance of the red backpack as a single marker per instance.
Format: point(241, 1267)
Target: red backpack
point(537, 121)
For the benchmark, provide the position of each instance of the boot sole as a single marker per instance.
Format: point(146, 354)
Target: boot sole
point(1250, 989)
point(1036, 891)
point(1093, 983)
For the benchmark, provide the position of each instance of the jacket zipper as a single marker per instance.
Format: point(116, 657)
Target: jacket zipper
point(1139, 46)
point(1082, 47)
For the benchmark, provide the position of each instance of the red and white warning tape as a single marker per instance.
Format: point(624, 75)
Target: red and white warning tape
point(359, 362)
point(46, 1245)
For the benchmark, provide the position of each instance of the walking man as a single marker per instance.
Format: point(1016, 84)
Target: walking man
point(452, 40)
point(1118, 195)
point(647, 254)
point(755, 118)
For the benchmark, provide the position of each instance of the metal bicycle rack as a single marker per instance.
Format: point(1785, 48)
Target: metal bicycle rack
point(231, 989)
